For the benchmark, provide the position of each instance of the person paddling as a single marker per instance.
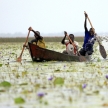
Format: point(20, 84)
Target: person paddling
point(71, 46)
point(38, 39)
point(89, 40)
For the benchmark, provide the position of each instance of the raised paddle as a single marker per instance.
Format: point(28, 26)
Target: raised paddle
point(82, 58)
point(101, 47)
point(19, 58)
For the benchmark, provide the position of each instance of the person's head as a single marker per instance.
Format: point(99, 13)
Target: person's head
point(71, 37)
point(92, 31)
point(36, 34)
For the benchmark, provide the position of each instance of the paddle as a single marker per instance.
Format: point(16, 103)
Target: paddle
point(82, 58)
point(19, 58)
point(101, 47)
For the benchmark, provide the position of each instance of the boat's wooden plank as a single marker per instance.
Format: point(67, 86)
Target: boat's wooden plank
point(46, 54)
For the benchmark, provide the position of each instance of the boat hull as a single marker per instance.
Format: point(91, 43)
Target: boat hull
point(41, 54)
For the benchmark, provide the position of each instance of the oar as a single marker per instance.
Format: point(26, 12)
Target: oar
point(101, 47)
point(19, 58)
point(82, 58)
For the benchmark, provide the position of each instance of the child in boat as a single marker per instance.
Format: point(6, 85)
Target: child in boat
point(89, 40)
point(71, 46)
point(38, 39)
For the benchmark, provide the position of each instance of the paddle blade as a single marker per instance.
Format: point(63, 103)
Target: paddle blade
point(18, 59)
point(82, 58)
point(102, 51)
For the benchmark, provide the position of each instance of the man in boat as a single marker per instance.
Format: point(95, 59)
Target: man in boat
point(38, 39)
point(71, 45)
point(89, 40)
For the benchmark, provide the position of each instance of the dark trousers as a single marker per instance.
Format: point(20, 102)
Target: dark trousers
point(83, 52)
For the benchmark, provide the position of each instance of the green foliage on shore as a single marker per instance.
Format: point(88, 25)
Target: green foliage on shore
point(47, 39)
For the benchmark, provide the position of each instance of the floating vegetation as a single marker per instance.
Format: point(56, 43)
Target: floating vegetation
point(2, 90)
point(0, 65)
point(57, 70)
point(58, 81)
point(19, 100)
point(5, 84)
point(23, 84)
point(24, 73)
point(52, 83)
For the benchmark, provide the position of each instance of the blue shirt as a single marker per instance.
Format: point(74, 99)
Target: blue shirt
point(87, 38)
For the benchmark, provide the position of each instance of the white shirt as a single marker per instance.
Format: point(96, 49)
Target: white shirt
point(70, 47)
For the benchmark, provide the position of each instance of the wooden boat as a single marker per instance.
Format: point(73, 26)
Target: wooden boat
point(40, 54)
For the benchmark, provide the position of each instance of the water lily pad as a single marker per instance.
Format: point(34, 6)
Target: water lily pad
point(57, 70)
point(2, 90)
point(70, 99)
point(24, 73)
point(96, 92)
point(80, 88)
point(19, 100)
point(46, 103)
point(0, 65)
point(45, 65)
point(5, 84)
point(59, 81)
point(23, 84)
point(17, 75)
point(37, 86)
point(12, 53)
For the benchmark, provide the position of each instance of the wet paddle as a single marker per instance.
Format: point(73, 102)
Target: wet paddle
point(82, 58)
point(19, 58)
point(101, 47)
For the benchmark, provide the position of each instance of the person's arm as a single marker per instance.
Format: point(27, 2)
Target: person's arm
point(94, 38)
point(63, 40)
point(77, 44)
point(85, 23)
point(30, 28)
point(40, 37)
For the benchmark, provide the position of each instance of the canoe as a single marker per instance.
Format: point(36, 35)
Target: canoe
point(40, 54)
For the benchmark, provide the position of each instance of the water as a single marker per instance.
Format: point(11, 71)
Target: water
point(28, 78)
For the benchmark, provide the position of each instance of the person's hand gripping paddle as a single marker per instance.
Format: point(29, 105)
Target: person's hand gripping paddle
point(82, 58)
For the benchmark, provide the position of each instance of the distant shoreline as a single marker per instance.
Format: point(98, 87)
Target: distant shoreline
point(47, 39)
